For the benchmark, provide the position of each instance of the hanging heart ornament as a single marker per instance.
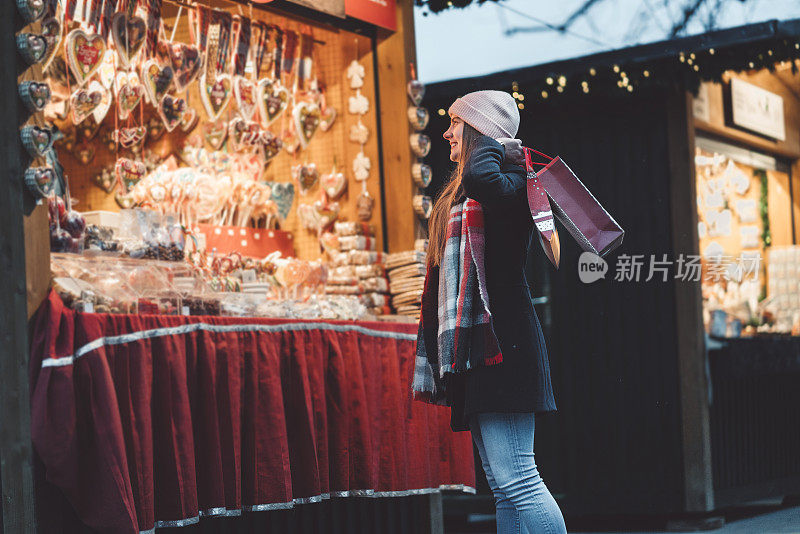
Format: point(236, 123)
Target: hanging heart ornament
point(283, 196)
point(83, 102)
point(36, 140)
point(31, 10)
point(245, 92)
point(269, 146)
point(420, 144)
point(306, 121)
point(306, 175)
point(215, 134)
point(273, 98)
point(35, 95)
point(32, 47)
point(40, 181)
point(156, 80)
point(171, 110)
point(189, 120)
point(129, 93)
point(128, 137)
point(129, 173)
point(416, 91)
point(128, 34)
point(422, 174)
point(84, 54)
point(334, 184)
point(215, 94)
point(418, 117)
point(101, 110)
point(186, 63)
point(325, 213)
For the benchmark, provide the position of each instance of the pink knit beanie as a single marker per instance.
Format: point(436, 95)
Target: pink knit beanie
point(492, 113)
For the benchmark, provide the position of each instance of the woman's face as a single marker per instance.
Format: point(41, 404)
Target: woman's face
point(453, 135)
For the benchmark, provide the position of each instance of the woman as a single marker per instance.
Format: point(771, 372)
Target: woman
point(498, 403)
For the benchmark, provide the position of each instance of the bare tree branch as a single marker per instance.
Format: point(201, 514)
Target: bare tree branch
point(688, 14)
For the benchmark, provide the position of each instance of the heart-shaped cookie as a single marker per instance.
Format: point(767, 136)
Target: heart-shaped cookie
point(269, 147)
point(128, 34)
point(31, 10)
point(215, 94)
point(128, 137)
point(243, 133)
point(283, 196)
point(40, 181)
point(306, 121)
point(32, 47)
point(326, 213)
point(215, 133)
point(156, 80)
point(51, 31)
point(189, 120)
point(35, 95)
point(67, 140)
point(129, 173)
point(273, 98)
point(327, 118)
point(83, 102)
point(306, 175)
point(245, 92)
point(186, 63)
point(84, 54)
point(416, 91)
point(423, 205)
point(171, 110)
point(418, 117)
point(422, 174)
point(105, 180)
point(36, 140)
point(334, 184)
point(129, 95)
point(420, 144)
point(89, 128)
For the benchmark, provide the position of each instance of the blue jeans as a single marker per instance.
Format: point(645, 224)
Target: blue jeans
point(524, 504)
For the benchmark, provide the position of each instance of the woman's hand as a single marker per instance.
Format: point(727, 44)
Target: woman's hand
point(513, 150)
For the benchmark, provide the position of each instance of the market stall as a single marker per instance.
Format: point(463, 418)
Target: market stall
point(673, 372)
point(224, 254)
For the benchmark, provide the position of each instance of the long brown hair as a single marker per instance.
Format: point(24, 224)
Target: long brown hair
point(440, 214)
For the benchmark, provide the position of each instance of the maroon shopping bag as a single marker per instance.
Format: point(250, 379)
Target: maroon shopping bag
point(573, 204)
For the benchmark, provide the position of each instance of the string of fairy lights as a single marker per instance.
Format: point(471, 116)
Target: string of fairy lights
point(686, 67)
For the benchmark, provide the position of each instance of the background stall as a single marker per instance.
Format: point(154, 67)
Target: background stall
point(381, 42)
point(655, 415)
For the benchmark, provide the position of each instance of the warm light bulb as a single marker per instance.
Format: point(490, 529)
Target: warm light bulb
point(562, 80)
point(592, 72)
point(711, 51)
point(521, 96)
point(560, 89)
point(616, 68)
point(521, 105)
point(549, 80)
point(646, 74)
point(441, 111)
point(515, 94)
point(544, 94)
point(585, 88)
point(696, 68)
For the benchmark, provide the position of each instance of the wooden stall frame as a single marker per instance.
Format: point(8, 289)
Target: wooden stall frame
point(695, 425)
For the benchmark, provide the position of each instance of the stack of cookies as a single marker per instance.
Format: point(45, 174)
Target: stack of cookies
point(406, 272)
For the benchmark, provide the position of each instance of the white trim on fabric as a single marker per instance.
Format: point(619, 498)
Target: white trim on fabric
point(217, 328)
point(305, 500)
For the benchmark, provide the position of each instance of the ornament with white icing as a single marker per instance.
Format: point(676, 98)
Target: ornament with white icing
point(356, 73)
point(358, 104)
point(361, 166)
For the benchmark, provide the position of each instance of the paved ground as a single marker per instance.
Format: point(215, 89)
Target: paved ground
point(767, 519)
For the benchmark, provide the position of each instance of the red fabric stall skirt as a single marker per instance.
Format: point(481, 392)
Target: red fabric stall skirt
point(147, 421)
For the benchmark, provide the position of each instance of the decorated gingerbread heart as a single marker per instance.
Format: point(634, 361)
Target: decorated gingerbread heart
point(306, 120)
point(40, 181)
point(326, 213)
point(32, 47)
point(283, 196)
point(101, 110)
point(36, 140)
point(155, 128)
point(215, 94)
point(83, 102)
point(416, 91)
point(306, 175)
point(418, 117)
point(269, 146)
point(215, 133)
point(171, 111)
point(84, 54)
point(35, 95)
point(124, 201)
point(128, 33)
point(129, 95)
point(334, 184)
point(420, 144)
point(245, 92)
point(31, 10)
point(156, 80)
point(105, 180)
point(89, 127)
point(186, 63)
point(128, 137)
point(422, 174)
point(129, 173)
point(273, 99)
point(84, 153)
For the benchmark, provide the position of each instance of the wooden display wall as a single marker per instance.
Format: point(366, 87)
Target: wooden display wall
point(331, 60)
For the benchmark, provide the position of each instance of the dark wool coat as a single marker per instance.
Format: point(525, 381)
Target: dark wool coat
point(522, 382)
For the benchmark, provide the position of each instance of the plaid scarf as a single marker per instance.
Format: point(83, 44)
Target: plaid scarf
point(455, 328)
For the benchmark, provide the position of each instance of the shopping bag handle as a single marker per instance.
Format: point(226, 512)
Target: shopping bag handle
point(529, 163)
